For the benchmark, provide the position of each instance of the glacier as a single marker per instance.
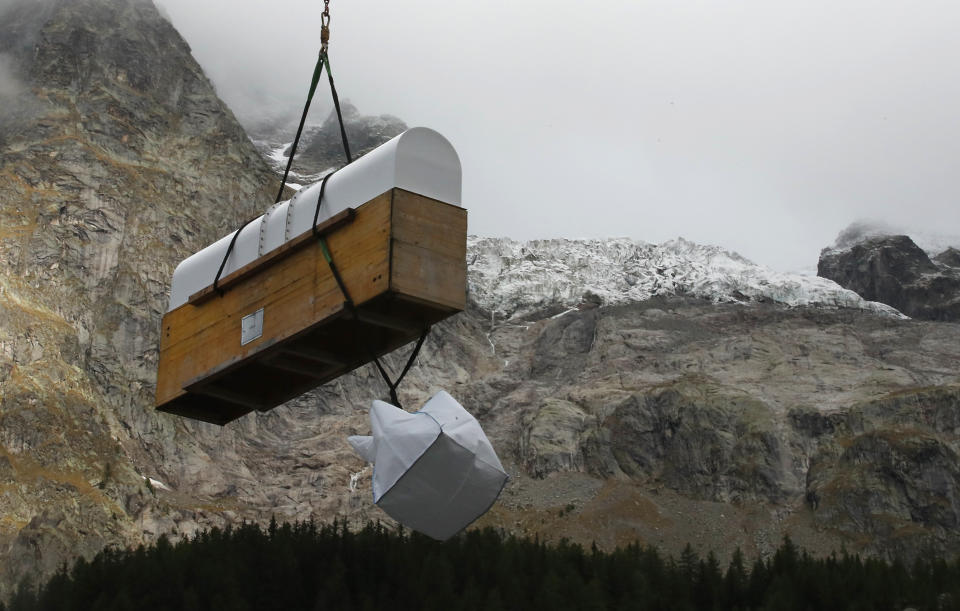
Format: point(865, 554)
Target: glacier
point(513, 279)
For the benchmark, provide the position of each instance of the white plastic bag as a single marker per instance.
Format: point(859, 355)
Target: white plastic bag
point(434, 470)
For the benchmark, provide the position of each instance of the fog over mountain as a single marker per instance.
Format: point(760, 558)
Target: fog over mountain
point(760, 127)
point(933, 242)
point(10, 85)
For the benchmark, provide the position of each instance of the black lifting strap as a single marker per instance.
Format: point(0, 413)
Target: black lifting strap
point(325, 60)
point(413, 356)
point(226, 256)
point(348, 301)
point(322, 60)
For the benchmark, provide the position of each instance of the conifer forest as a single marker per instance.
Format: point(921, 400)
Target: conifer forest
point(313, 567)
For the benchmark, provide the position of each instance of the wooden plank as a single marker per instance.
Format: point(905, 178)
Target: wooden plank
point(427, 223)
point(280, 361)
point(403, 260)
point(274, 389)
point(217, 345)
point(315, 354)
point(421, 273)
point(363, 258)
point(396, 323)
point(429, 250)
point(285, 249)
point(369, 243)
point(218, 392)
point(295, 274)
point(296, 293)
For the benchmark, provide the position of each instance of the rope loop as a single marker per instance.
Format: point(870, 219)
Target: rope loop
point(386, 377)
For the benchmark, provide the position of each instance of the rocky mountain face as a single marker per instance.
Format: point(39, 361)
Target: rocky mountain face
point(895, 271)
point(321, 146)
point(949, 257)
point(666, 393)
point(729, 424)
point(116, 160)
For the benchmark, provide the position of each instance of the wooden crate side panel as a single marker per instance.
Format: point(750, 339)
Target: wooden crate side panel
point(363, 256)
point(276, 283)
point(296, 293)
point(429, 250)
point(368, 242)
point(274, 376)
point(217, 345)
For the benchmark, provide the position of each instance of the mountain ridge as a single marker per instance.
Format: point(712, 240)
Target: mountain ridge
point(895, 270)
point(542, 273)
point(116, 158)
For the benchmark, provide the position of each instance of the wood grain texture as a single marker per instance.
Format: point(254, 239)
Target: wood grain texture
point(429, 250)
point(403, 261)
point(284, 250)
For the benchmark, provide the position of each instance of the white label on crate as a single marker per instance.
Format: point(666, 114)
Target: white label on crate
point(251, 327)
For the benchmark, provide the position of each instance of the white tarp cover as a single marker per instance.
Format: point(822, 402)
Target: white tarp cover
point(419, 160)
point(433, 470)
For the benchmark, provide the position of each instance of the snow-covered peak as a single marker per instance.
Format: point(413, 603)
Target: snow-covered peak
point(860, 231)
point(510, 278)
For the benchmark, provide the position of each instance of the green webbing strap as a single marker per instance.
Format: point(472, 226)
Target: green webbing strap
point(391, 384)
point(326, 251)
point(322, 60)
point(335, 271)
point(336, 105)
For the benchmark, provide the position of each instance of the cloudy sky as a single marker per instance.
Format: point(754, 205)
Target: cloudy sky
point(759, 125)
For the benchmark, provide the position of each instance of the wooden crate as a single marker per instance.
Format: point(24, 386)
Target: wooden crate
point(402, 258)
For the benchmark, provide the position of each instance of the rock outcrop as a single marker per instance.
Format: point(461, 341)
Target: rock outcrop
point(891, 466)
point(895, 271)
point(321, 148)
point(116, 160)
point(949, 257)
point(682, 419)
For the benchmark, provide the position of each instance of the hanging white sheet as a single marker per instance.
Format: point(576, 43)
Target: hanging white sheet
point(434, 470)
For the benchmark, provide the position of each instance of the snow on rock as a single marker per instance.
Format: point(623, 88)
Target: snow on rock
point(157, 484)
point(511, 279)
point(860, 231)
point(276, 156)
point(355, 478)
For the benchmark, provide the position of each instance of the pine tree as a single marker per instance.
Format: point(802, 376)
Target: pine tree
point(493, 602)
point(689, 559)
point(757, 584)
point(25, 598)
point(707, 585)
point(302, 566)
point(735, 581)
